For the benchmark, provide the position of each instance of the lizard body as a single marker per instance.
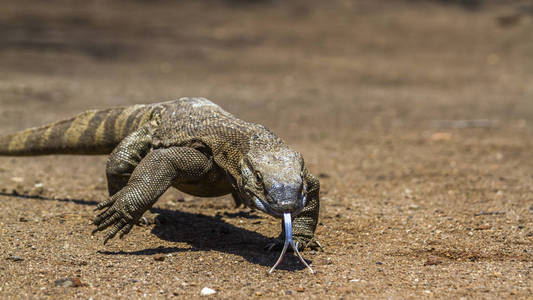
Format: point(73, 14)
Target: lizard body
point(191, 144)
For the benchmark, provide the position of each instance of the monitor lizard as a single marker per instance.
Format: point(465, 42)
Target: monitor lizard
point(191, 144)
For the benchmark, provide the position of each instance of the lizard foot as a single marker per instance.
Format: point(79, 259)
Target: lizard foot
point(148, 218)
point(302, 243)
point(116, 215)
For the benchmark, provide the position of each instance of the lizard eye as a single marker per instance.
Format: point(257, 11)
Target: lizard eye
point(259, 177)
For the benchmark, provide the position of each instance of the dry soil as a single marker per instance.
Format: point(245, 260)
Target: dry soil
point(415, 203)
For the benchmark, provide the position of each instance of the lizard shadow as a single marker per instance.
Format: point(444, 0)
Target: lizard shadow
point(39, 197)
point(203, 233)
point(241, 214)
point(207, 233)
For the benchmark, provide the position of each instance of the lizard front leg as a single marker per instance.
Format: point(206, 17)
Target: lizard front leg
point(156, 172)
point(304, 224)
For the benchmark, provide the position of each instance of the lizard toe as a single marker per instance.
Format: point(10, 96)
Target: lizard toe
point(308, 243)
point(103, 216)
point(116, 228)
point(107, 222)
point(104, 204)
point(125, 230)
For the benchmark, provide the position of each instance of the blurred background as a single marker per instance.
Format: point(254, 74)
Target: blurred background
point(416, 115)
point(316, 65)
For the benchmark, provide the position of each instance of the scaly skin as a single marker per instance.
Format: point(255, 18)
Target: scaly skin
point(190, 144)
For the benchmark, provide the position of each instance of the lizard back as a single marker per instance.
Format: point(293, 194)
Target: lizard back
point(200, 123)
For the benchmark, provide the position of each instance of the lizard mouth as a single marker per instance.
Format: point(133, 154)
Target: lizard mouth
point(266, 208)
point(278, 210)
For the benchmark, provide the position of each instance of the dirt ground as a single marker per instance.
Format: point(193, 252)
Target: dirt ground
point(414, 203)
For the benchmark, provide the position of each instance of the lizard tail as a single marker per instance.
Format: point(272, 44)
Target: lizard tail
point(91, 132)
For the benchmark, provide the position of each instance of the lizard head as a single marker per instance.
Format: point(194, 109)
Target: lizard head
point(273, 181)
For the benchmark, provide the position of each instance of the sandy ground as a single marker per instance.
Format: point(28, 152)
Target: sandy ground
point(412, 207)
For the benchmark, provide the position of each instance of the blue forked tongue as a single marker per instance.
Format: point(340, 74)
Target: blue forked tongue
point(287, 222)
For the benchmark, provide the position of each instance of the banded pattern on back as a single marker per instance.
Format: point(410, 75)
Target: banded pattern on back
point(91, 132)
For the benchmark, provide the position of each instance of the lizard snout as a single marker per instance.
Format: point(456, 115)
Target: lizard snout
point(285, 198)
point(287, 207)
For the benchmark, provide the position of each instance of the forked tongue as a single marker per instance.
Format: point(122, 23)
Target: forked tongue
point(287, 222)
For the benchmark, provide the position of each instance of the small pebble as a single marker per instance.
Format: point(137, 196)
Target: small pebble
point(207, 291)
point(288, 292)
point(14, 258)
point(300, 289)
point(68, 282)
point(159, 257)
point(440, 136)
point(483, 227)
point(379, 263)
point(17, 179)
point(258, 293)
point(323, 261)
point(433, 260)
point(323, 175)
